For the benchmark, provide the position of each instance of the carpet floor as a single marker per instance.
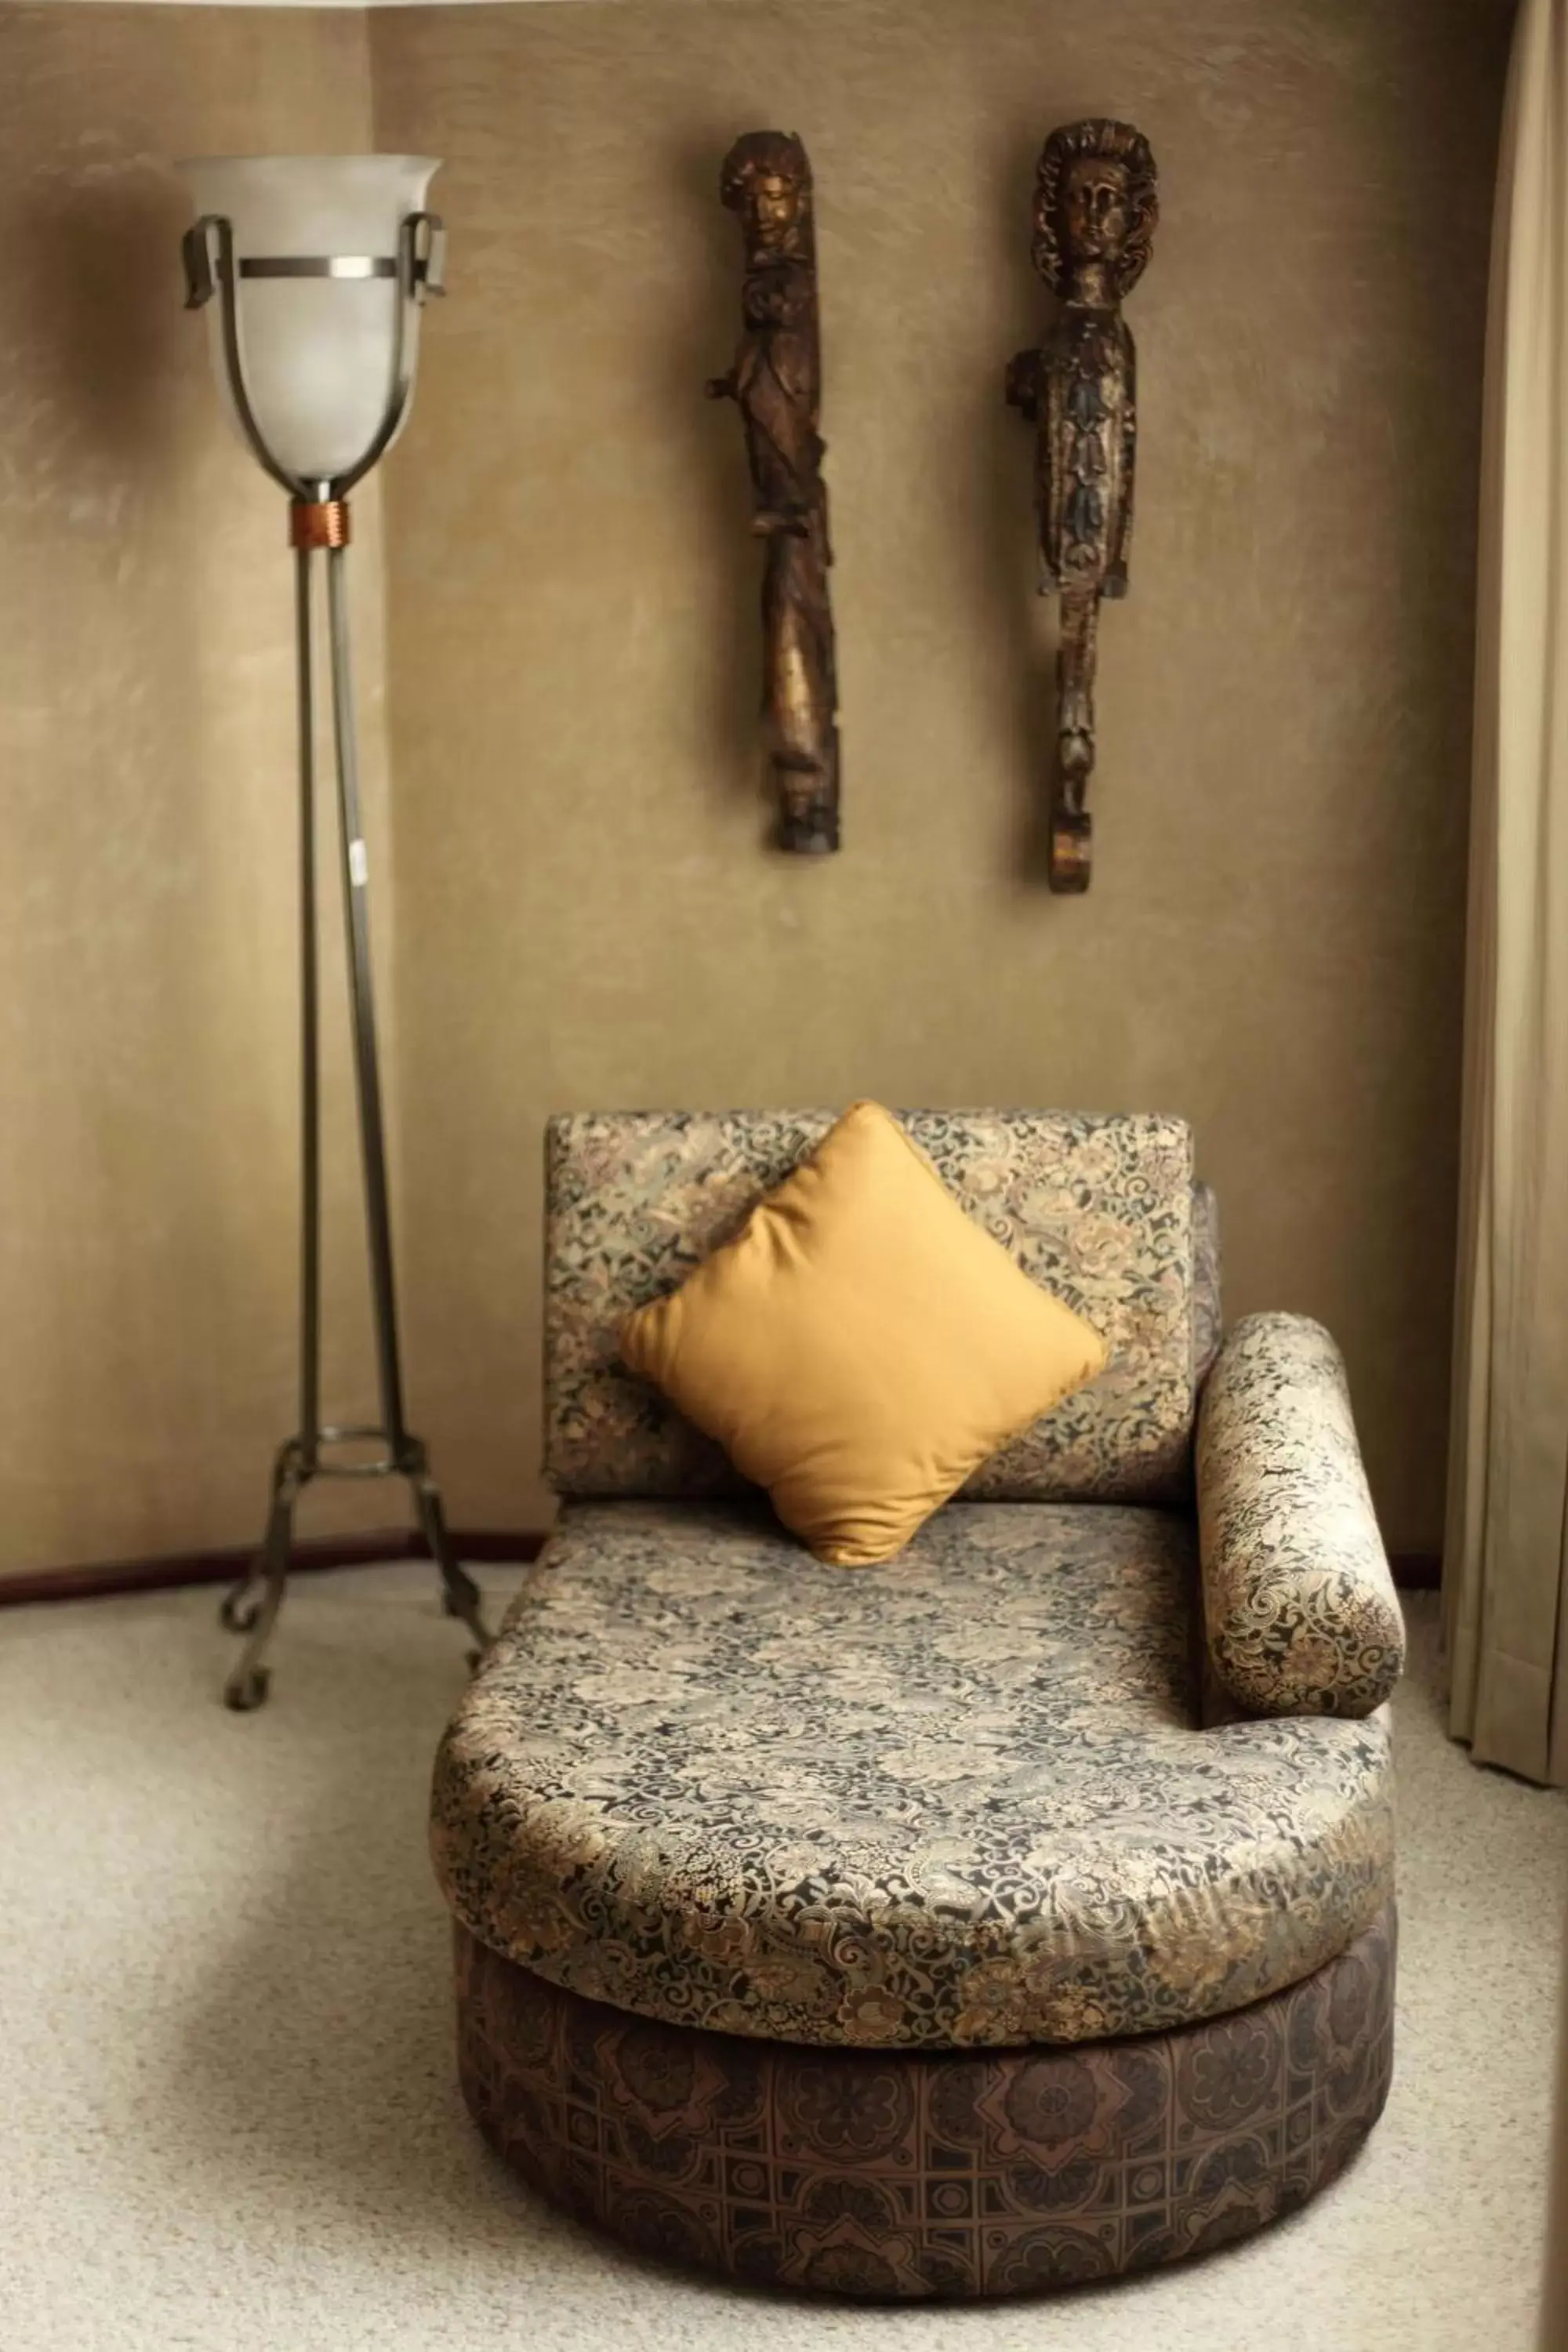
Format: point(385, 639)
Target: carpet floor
point(228, 2108)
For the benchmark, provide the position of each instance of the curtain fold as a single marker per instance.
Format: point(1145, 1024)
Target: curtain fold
point(1505, 1578)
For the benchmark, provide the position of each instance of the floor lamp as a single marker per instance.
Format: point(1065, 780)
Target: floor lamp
point(313, 269)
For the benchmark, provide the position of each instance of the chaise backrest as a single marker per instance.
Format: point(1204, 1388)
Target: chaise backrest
point(1208, 1316)
point(1099, 1209)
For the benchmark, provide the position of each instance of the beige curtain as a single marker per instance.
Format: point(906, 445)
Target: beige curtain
point(1505, 1576)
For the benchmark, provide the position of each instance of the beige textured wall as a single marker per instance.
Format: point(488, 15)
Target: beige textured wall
point(147, 1127)
point(1273, 943)
point(585, 912)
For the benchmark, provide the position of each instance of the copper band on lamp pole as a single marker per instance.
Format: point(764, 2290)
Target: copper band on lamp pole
point(318, 522)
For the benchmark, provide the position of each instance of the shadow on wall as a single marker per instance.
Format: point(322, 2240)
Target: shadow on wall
point(120, 932)
point(108, 300)
point(704, 325)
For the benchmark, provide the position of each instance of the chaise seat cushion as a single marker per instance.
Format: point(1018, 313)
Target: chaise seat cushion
point(959, 1798)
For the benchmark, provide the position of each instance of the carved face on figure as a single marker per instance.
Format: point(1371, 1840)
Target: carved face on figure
point(1096, 211)
point(774, 210)
point(1096, 204)
point(766, 180)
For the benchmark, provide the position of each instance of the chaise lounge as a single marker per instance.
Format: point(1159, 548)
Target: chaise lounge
point(1017, 1912)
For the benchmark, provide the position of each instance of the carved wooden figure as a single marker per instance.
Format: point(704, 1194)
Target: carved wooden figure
point(776, 381)
point(1096, 204)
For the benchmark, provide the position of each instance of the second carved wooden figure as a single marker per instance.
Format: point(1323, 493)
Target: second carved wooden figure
point(1096, 204)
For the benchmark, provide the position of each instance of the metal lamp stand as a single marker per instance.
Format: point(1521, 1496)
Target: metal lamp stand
point(320, 526)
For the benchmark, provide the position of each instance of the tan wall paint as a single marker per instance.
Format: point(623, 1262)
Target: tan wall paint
point(1273, 943)
point(147, 1127)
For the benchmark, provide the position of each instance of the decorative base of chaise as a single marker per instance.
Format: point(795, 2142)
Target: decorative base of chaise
point(898, 2174)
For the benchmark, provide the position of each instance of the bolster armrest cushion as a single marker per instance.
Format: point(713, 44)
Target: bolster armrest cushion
point(1300, 1611)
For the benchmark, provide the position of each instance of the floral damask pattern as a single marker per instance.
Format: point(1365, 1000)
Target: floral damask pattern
point(1098, 1210)
point(1207, 1323)
point(1300, 1611)
point(927, 2173)
point(959, 1798)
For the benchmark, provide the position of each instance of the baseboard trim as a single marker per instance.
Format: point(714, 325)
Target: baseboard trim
point(99, 1580)
point(1414, 1571)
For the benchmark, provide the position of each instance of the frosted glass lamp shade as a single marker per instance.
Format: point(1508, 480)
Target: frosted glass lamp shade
point(318, 354)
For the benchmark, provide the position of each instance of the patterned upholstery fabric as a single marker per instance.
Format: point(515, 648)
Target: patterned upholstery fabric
point(1300, 1613)
point(1207, 1317)
point(922, 2173)
point(956, 1799)
point(1097, 1209)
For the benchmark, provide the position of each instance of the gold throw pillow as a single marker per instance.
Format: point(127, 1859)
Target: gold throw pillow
point(861, 1345)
